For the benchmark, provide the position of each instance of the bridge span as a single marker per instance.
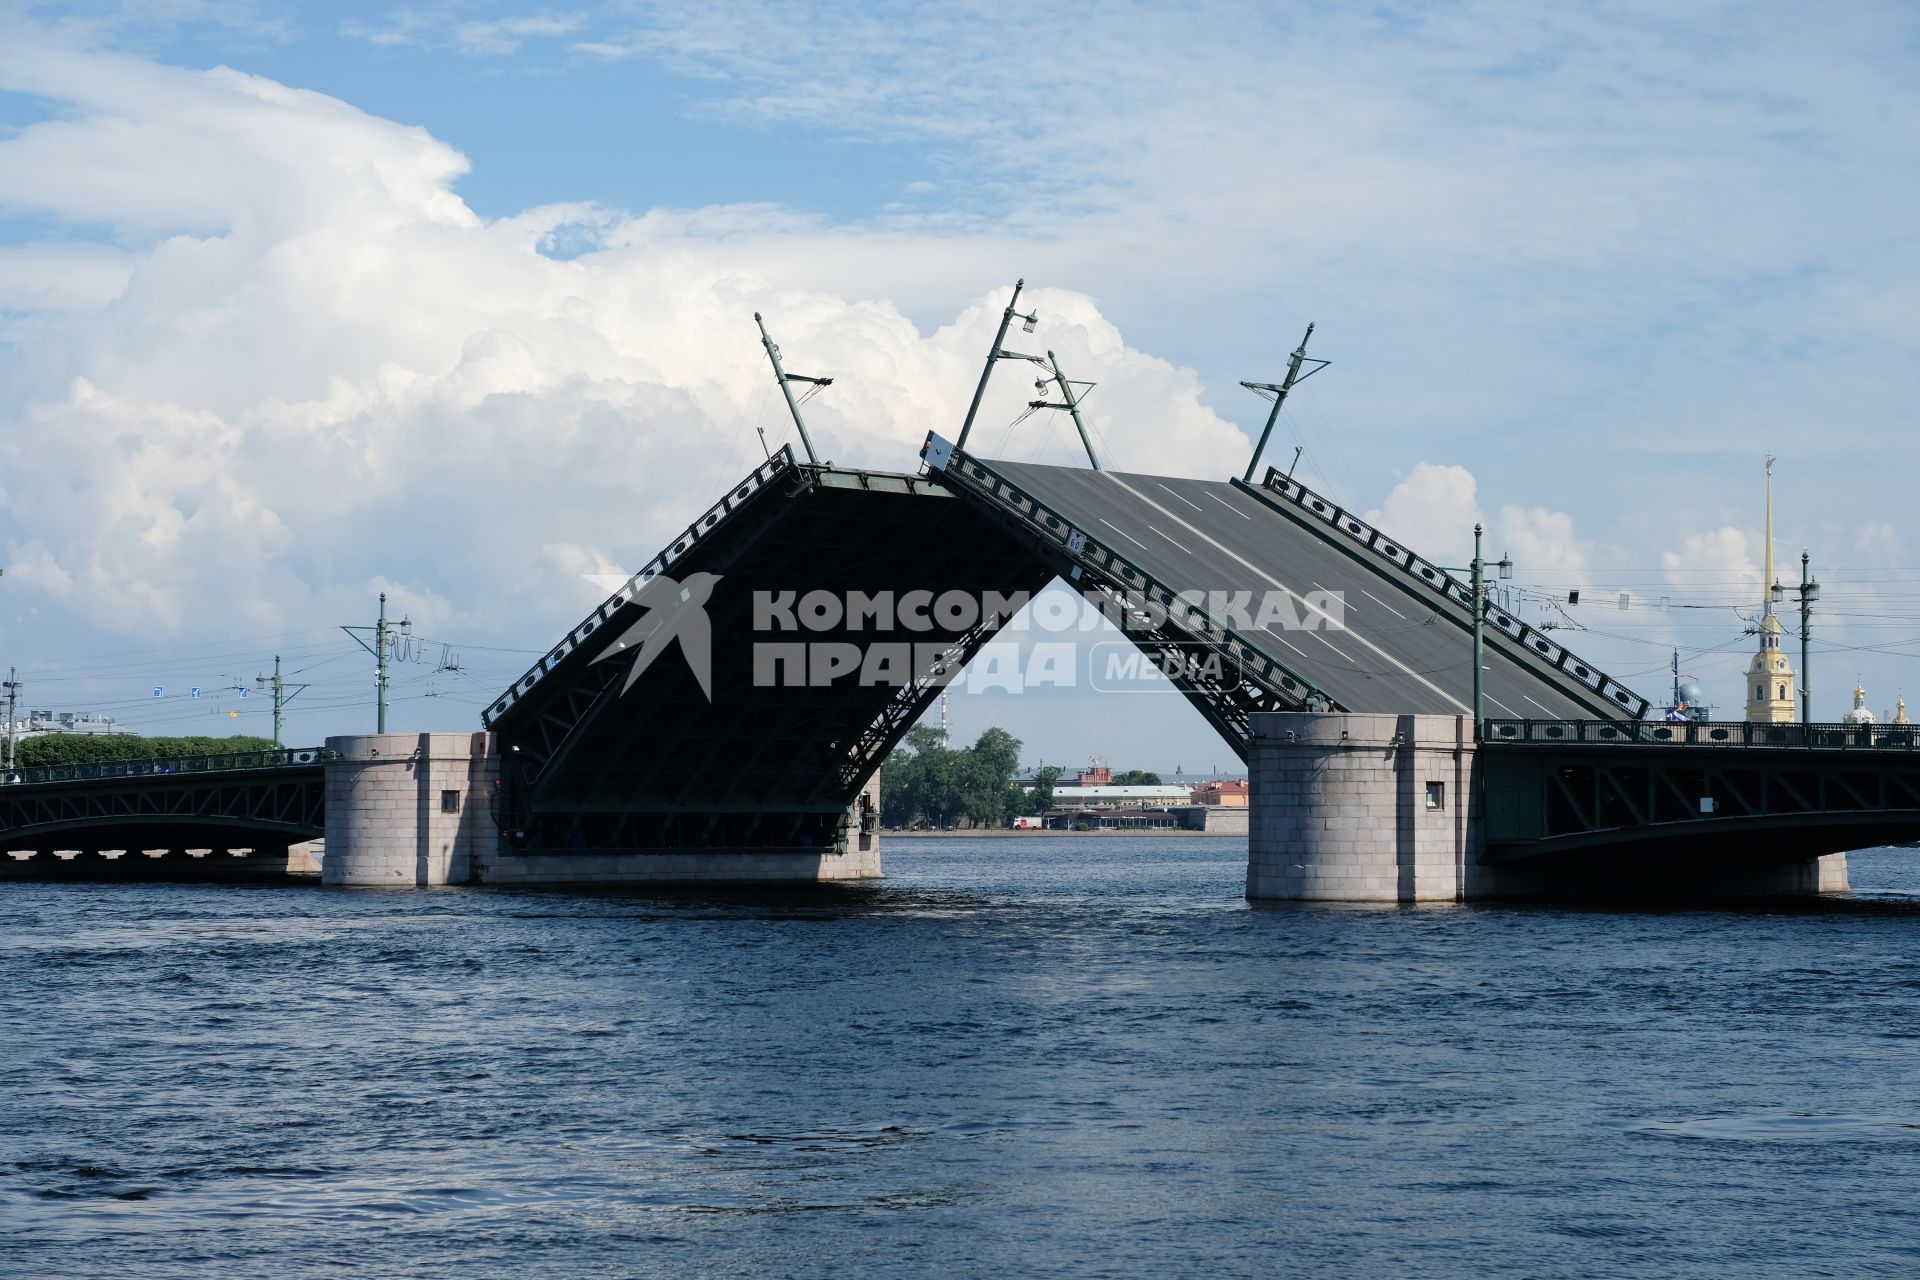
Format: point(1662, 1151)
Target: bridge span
point(239, 815)
point(707, 723)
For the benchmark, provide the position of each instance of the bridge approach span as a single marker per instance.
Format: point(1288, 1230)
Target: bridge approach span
point(265, 801)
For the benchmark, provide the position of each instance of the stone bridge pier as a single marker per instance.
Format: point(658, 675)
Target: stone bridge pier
point(1393, 808)
point(419, 809)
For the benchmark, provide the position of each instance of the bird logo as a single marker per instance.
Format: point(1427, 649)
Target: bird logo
point(672, 610)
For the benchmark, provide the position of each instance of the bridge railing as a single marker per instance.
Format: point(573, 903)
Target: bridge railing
point(1727, 734)
point(278, 758)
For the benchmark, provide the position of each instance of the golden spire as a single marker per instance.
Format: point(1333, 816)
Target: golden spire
point(1766, 586)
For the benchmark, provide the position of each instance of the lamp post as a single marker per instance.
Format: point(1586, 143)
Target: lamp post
point(1479, 571)
point(1808, 591)
point(383, 639)
point(280, 697)
point(13, 687)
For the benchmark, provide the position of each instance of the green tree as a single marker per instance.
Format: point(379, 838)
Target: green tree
point(992, 796)
point(94, 748)
point(1040, 799)
point(925, 780)
point(1136, 778)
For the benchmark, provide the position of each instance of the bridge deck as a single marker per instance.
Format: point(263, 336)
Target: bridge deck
point(1404, 643)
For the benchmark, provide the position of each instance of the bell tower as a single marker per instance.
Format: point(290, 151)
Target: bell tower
point(1770, 679)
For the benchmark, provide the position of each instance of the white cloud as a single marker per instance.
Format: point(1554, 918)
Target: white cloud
point(1593, 254)
point(505, 35)
point(1433, 511)
point(1542, 541)
point(1722, 561)
point(309, 371)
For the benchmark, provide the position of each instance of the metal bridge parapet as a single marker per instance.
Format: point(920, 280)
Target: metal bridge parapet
point(1720, 734)
point(92, 771)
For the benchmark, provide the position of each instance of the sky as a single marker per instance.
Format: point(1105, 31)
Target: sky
point(302, 303)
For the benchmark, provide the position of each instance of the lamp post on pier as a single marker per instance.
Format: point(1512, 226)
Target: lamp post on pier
point(1808, 591)
point(1479, 571)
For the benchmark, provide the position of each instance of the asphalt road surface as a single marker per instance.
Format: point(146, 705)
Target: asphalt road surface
point(1392, 645)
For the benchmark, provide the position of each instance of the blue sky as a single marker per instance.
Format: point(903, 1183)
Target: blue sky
point(1578, 271)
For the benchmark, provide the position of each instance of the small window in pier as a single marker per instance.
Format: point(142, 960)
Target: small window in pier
point(1436, 795)
point(449, 802)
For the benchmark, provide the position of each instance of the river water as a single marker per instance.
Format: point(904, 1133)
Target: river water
point(1019, 1055)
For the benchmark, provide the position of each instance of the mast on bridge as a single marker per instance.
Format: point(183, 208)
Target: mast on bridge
point(997, 353)
point(786, 387)
point(1279, 394)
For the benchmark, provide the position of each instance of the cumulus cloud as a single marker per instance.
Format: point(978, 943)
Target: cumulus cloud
point(1432, 510)
point(1721, 560)
point(1543, 541)
point(298, 368)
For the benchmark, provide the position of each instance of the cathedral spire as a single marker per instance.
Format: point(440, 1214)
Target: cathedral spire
point(1770, 680)
point(1766, 583)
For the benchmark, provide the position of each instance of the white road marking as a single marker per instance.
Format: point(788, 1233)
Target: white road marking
point(1547, 709)
point(1330, 644)
point(1169, 539)
point(1129, 537)
point(1383, 604)
point(1509, 710)
point(1194, 505)
point(1445, 697)
point(1229, 506)
point(1290, 644)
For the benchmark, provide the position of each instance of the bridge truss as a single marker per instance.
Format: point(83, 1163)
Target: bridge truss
point(258, 799)
point(1708, 790)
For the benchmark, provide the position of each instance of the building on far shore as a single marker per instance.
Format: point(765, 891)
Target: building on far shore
point(1112, 797)
point(1231, 795)
point(35, 723)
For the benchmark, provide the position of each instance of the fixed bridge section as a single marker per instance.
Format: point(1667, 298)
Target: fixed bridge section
point(1312, 608)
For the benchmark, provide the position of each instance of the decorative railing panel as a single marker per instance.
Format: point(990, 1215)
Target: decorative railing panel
point(279, 758)
point(1728, 734)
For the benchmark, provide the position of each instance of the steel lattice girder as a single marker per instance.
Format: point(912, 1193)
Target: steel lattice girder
point(1543, 799)
point(289, 801)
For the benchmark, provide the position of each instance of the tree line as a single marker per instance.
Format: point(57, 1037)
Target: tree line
point(926, 782)
point(95, 748)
